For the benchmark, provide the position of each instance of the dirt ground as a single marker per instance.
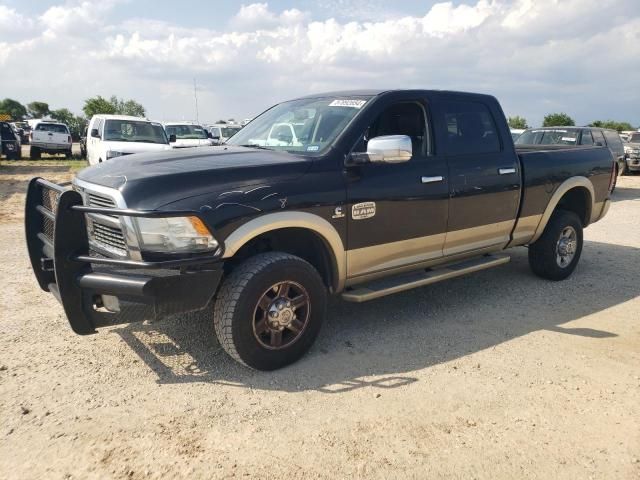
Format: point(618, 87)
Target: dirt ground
point(495, 375)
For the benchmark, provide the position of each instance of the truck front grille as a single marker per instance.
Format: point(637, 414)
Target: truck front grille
point(104, 235)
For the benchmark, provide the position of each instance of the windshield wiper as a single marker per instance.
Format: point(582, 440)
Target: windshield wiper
point(253, 145)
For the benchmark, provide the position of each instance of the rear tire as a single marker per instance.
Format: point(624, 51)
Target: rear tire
point(68, 154)
point(556, 253)
point(252, 309)
point(34, 153)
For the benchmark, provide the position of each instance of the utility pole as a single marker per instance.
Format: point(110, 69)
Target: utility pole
point(195, 96)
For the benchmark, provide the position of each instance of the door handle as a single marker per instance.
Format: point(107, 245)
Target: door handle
point(432, 179)
point(506, 171)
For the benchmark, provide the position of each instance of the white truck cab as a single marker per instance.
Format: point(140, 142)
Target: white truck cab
point(221, 132)
point(187, 134)
point(110, 136)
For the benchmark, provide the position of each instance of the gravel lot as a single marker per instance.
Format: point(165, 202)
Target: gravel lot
point(495, 375)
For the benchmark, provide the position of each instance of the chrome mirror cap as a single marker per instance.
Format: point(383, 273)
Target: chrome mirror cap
point(389, 149)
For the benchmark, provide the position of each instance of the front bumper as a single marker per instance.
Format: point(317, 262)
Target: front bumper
point(96, 291)
point(633, 163)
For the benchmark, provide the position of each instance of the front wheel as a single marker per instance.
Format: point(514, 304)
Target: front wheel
point(555, 254)
point(269, 310)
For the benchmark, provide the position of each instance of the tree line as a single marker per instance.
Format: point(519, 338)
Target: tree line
point(76, 123)
point(563, 120)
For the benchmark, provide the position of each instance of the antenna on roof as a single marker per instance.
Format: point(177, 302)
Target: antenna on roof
point(195, 96)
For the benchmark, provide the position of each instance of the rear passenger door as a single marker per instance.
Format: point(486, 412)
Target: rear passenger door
point(484, 175)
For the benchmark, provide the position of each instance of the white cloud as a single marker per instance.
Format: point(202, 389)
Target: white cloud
point(533, 55)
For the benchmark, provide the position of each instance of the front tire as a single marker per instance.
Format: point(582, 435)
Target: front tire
point(269, 310)
point(556, 253)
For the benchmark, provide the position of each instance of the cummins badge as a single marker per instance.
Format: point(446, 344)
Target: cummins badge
point(361, 211)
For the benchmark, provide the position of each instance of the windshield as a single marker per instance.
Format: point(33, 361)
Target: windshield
point(634, 138)
point(560, 136)
point(186, 132)
point(305, 125)
point(134, 131)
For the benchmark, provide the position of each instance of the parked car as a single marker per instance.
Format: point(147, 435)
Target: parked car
point(50, 137)
point(516, 132)
point(221, 132)
point(83, 142)
point(9, 143)
point(188, 134)
point(112, 136)
point(586, 136)
point(385, 191)
point(24, 130)
point(632, 152)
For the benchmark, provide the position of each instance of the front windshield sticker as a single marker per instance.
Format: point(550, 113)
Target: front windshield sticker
point(348, 103)
point(313, 148)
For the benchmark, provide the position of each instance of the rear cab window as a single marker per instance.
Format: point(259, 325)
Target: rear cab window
point(52, 127)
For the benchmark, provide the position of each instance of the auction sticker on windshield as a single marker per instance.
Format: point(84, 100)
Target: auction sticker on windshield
point(348, 103)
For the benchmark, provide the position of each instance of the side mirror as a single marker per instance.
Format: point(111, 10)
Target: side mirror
point(172, 138)
point(95, 133)
point(385, 149)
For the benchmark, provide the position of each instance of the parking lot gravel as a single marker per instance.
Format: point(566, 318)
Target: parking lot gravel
point(495, 375)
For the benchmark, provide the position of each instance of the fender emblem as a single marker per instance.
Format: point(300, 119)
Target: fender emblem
point(283, 202)
point(364, 210)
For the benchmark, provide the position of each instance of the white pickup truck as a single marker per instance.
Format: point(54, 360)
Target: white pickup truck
point(50, 137)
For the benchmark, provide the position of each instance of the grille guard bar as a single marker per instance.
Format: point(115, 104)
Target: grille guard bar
point(62, 264)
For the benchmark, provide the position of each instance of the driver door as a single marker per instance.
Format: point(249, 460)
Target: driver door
point(397, 213)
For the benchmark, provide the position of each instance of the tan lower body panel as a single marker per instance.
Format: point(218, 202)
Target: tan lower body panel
point(475, 238)
point(367, 263)
point(388, 256)
point(525, 230)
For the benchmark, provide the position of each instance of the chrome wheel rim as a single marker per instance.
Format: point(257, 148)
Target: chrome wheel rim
point(566, 247)
point(281, 315)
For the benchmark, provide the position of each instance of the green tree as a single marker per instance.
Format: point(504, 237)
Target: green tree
point(97, 105)
point(38, 109)
point(518, 122)
point(75, 123)
point(131, 107)
point(619, 126)
point(558, 120)
point(12, 107)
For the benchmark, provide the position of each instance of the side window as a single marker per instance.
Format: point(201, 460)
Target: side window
point(586, 139)
point(614, 142)
point(598, 137)
point(406, 118)
point(470, 128)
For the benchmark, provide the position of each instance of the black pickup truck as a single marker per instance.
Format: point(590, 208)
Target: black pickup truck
point(359, 194)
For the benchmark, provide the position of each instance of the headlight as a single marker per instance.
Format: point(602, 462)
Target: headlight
point(112, 154)
point(175, 235)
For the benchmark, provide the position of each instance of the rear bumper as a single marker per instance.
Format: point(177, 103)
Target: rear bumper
point(56, 147)
point(97, 291)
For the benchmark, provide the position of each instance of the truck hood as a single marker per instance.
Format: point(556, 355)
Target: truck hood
point(135, 147)
point(149, 180)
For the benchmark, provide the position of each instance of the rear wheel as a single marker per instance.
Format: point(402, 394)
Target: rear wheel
point(556, 253)
point(269, 310)
point(68, 154)
point(34, 153)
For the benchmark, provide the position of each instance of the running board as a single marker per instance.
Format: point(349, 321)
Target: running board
point(420, 278)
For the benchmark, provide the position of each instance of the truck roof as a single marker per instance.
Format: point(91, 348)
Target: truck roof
point(105, 116)
point(376, 92)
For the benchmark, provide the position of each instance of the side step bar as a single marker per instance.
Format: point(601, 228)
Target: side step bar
point(407, 281)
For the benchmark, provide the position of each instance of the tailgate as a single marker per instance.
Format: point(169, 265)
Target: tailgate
point(54, 138)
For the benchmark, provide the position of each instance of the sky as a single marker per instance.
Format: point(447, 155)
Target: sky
point(581, 57)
